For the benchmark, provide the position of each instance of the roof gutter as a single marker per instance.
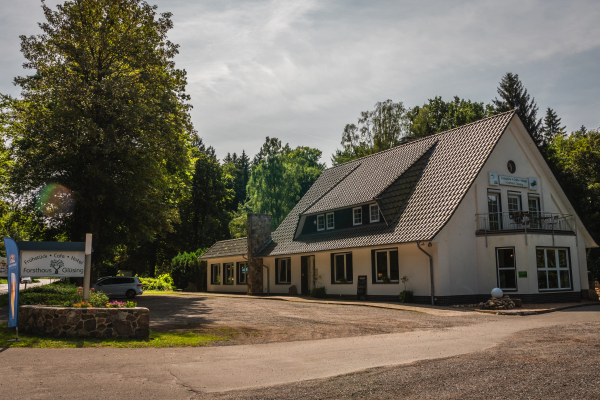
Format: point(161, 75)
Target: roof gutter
point(430, 272)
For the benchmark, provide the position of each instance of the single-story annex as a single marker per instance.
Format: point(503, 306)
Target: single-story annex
point(458, 213)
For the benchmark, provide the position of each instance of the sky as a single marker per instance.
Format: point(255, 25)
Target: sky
point(301, 70)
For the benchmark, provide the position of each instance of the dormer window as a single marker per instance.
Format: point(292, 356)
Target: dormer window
point(330, 221)
point(321, 222)
point(374, 209)
point(357, 216)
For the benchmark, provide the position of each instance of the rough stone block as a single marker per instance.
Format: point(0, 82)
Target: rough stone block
point(144, 321)
point(89, 325)
point(123, 328)
point(142, 333)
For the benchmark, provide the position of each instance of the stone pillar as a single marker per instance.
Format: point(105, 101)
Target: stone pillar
point(259, 233)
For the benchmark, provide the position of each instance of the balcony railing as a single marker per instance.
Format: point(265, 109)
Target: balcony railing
point(525, 221)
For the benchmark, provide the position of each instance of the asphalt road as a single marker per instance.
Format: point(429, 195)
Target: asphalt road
point(4, 286)
point(176, 373)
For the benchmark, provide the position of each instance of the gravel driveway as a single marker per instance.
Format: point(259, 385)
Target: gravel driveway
point(252, 321)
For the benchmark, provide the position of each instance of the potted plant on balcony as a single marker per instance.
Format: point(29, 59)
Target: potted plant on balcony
point(342, 280)
point(406, 296)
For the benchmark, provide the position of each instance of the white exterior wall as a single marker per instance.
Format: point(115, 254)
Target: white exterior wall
point(235, 288)
point(412, 263)
point(467, 266)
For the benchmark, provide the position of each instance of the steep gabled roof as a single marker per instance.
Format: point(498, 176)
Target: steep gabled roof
point(224, 248)
point(443, 168)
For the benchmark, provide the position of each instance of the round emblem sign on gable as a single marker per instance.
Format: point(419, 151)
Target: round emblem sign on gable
point(511, 167)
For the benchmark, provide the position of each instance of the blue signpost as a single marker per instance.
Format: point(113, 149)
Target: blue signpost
point(12, 256)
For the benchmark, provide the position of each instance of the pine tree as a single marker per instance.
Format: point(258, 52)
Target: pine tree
point(551, 128)
point(513, 96)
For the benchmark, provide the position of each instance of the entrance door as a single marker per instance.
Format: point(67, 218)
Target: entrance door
point(305, 263)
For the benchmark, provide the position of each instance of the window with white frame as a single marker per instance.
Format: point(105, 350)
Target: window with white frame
point(321, 222)
point(341, 268)
point(374, 211)
point(385, 266)
point(283, 270)
point(357, 216)
point(553, 268)
point(215, 274)
point(228, 271)
point(330, 221)
point(505, 264)
point(514, 201)
point(242, 272)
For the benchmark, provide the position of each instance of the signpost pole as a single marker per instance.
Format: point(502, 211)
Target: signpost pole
point(88, 267)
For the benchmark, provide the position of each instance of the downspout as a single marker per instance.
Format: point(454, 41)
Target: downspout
point(430, 272)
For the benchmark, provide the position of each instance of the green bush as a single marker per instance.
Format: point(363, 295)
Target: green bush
point(406, 296)
point(163, 283)
point(187, 268)
point(98, 299)
point(319, 292)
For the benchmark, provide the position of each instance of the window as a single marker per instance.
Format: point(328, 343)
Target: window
point(283, 270)
point(553, 269)
point(341, 268)
point(505, 263)
point(228, 270)
point(374, 210)
point(242, 273)
point(514, 202)
point(385, 266)
point(215, 273)
point(357, 216)
point(494, 210)
point(330, 221)
point(321, 222)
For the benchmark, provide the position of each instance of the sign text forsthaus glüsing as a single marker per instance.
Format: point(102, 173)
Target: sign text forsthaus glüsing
point(52, 263)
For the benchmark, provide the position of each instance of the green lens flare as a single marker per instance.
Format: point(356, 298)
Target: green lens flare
point(55, 201)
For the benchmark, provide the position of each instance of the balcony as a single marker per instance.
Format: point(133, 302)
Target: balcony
point(525, 222)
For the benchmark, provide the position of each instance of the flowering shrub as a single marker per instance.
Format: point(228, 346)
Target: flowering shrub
point(82, 304)
point(115, 304)
point(130, 304)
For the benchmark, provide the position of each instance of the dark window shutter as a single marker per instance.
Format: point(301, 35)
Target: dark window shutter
point(289, 270)
point(394, 268)
point(277, 270)
point(237, 273)
point(332, 268)
point(212, 274)
point(349, 272)
point(373, 266)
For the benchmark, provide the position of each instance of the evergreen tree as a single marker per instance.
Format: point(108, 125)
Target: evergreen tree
point(514, 96)
point(551, 127)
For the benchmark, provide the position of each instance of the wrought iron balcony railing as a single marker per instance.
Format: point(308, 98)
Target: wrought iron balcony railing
point(525, 221)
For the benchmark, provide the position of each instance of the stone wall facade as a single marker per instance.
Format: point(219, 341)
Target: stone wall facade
point(85, 322)
point(259, 233)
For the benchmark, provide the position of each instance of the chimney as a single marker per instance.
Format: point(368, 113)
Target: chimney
point(259, 233)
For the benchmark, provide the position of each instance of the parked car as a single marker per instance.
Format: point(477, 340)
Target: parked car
point(26, 279)
point(129, 286)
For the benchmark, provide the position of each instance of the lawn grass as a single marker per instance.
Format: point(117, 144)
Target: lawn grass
point(3, 281)
point(157, 339)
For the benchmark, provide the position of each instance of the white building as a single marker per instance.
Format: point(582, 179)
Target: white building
point(458, 213)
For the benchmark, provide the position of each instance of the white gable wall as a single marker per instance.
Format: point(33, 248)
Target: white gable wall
point(466, 264)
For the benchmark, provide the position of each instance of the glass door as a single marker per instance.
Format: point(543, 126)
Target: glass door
point(494, 210)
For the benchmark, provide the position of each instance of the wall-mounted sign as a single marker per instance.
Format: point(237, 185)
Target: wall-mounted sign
point(513, 181)
point(361, 288)
point(533, 183)
point(493, 178)
point(522, 274)
point(52, 263)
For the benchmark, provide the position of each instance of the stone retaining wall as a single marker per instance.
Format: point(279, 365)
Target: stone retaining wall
point(85, 322)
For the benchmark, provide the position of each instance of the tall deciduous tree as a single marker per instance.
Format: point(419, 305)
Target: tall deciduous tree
point(377, 130)
point(104, 114)
point(278, 180)
point(437, 116)
point(513, 95)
